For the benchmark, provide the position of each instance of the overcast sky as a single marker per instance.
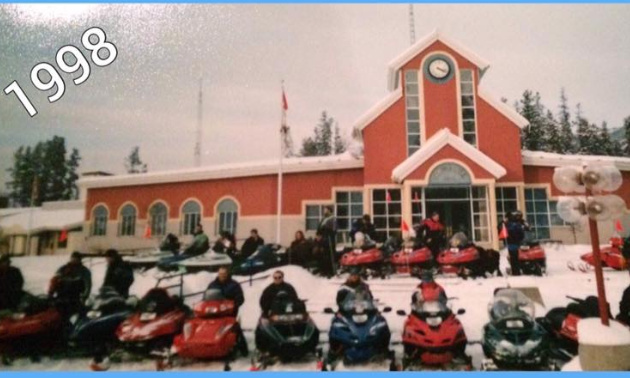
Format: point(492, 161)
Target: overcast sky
point(332, 57)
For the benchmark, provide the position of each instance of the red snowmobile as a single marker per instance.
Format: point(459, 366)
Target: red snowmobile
point(532, 258)
point(35, 325)
point(461, 258)
point(212, 334)
point(611, 255)
point(433, 337)
point(369, 259)
point(412, 260)
point(151, 329)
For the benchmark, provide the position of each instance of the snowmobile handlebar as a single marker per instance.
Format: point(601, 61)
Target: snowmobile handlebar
point(574, 299)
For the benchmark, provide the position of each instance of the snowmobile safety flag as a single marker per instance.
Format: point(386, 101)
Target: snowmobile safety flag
point(63, 236)
point(404, 226)
point(504, 233)
point(388, 197)
point(618, 226)
point(147, 231)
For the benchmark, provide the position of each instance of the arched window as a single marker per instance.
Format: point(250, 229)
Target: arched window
point(191, 216)
point(449, 174)
point(227, 213)
point(158, 214)
point(127, 221)
point(99, 221)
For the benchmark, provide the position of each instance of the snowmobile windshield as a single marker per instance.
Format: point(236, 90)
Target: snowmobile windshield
point(430, 308)
point(156, 301)
point(358, 303)
point(263, 252)
point(459, 240)
point(213, 295)
point(107, 299)
point(511, 304)
point(285, 305)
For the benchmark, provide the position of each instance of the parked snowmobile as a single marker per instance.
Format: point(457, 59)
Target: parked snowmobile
point(266, 257)
point(513, 340)
point(154, 324)
point(461, 258)
point(287, 333)
point(561, 323)
point(611, 255)
point(94, 332)
point(210, 262)
point(413, 260)
point(433, 337)
point(370, 259)
point(213, 332)
point(149, 258)
point(532, 258)
point(358, 332)
point(35, 326)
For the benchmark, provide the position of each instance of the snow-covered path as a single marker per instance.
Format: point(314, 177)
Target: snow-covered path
point(472, 295)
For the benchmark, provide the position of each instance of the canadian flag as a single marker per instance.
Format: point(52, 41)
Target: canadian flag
point(285, 104)
point(388, 197)
point(63, 236)
point(504, 233)
point(415, 196)
point(147, 231)
point(404, 226)
point(618, 226)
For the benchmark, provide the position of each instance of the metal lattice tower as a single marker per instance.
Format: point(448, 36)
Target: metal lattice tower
point(199, 134)
point(412, 25)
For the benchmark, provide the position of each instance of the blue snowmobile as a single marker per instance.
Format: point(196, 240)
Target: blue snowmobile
point(266, 257)
point(358, 333)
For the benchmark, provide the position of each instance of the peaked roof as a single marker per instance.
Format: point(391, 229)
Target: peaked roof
point(434, 144)
point(397, 63)
point(503, 108)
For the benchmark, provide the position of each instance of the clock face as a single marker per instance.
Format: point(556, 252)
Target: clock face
point(439, 68)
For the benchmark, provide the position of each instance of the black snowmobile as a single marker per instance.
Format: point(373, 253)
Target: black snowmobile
point(513, 340)
point(287, 333)
point(266, 257)
point(94, 332)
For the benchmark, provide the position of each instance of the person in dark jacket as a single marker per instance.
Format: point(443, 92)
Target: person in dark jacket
point(11, 284)
point(171, 244)
point(119, 274)
point(229, 288)
point(200, 244)
point(251, 244)
point(354, 284)
point(300, 251)
point(323, 255)
point(71, 284)
point(277, 287)
point(624, 307)
point(516, 228)
point(226, 244)
point(431, 233)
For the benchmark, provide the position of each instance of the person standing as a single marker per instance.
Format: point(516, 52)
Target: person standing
point(431, 232)
point(119, 274)
point(516, 228)
point(328, 230)
point(11, 284)
point(71, 285)
point(300, 251)
point(251, 244)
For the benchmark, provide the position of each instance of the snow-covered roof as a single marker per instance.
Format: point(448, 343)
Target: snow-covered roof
point(548, 159)
point(503, 108)
point(11, 211)
point(248, 169)
point(396, 64)
point(378, 109)
point(434, 144)
point(38, 219)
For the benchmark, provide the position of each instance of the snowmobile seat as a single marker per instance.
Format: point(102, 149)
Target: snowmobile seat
point(159, 301)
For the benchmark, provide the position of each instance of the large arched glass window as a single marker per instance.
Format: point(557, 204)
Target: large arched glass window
point(191, 216)
point(99, 221)
point(158, 214)
point(449, 174)
point(127, 221)
point(227, 213)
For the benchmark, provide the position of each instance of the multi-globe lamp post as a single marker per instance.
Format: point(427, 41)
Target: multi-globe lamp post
point(595, 181)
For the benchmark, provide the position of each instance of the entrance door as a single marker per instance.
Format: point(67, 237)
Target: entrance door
point(453, 205)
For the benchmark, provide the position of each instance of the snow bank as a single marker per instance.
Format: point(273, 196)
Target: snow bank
point(591, 331)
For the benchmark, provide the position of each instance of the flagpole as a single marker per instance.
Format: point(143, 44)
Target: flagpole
point(283, 119)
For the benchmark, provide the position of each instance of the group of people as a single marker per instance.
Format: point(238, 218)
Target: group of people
point(71, 285)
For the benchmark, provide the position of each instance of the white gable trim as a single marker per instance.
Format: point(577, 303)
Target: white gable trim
point(434, 144)
point(378, 109)
point(418, 47)
point(548, 159)
point(502, 107)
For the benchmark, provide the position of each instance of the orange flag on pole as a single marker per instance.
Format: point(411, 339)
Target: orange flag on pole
point(147, 231)
point(404, 226)
point(618, 226)
point(63, 236)
point(388, 197)
point(504, 233)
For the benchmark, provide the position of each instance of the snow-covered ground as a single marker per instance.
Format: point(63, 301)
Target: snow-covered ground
point(472, 295)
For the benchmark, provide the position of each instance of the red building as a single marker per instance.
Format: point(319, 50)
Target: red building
point(438, 142)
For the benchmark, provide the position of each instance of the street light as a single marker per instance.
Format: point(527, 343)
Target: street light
point(595, 178)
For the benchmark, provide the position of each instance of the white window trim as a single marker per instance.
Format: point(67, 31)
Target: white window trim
point(463, 132)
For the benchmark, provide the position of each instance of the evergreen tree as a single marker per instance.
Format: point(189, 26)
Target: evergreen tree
point(566, 132)
point(532, 137)
point(133, 164)
point(340, 144)
point(588, 135)
point(309, 147)
point(44, 166)
point(553, 135)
